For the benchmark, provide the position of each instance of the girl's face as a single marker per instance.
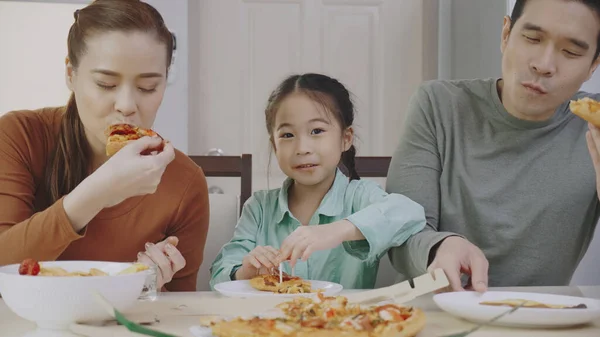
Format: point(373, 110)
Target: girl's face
point(120, 78)
point(308, 140)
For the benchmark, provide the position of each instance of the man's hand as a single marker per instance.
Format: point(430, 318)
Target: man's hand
point(457, 256)
point(593, 142)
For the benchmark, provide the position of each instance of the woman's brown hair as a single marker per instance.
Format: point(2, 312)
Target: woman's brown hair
point(70, 162)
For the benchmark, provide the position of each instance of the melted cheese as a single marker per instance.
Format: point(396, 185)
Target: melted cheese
point(386, 316)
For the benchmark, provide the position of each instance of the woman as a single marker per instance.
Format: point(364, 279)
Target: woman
point(62, 198)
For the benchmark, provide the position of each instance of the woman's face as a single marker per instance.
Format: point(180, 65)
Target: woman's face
point(121, 77)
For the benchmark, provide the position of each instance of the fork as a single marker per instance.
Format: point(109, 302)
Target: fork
point(480, 325)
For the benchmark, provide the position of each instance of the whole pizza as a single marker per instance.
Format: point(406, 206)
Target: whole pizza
point(326, 316)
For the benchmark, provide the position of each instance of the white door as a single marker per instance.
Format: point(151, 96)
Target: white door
point(246, 48)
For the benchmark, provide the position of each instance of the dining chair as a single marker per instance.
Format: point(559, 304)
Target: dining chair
point(224, 208)
point(373, 167)
point(229, 166)
point(223, 218)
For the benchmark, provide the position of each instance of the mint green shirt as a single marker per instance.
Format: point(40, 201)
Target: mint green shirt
point(385, 220)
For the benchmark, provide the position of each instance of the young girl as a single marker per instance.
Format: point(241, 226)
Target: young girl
point(62, 198)
point(330, 228)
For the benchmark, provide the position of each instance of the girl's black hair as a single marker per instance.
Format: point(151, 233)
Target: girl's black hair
point(327, 91)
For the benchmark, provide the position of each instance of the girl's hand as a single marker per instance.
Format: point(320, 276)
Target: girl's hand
point(260, 260)
point(305, 240)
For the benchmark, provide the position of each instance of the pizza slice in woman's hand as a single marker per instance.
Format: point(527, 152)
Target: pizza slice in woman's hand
point(120, 135)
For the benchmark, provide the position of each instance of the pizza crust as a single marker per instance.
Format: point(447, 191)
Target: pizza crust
point(588, 109)
point(113, 147)
point(258, 283)
point(303, 317)
point(412, 326)
point(240, 328)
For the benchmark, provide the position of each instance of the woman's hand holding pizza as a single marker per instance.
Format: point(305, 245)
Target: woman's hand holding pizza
point(129, 173)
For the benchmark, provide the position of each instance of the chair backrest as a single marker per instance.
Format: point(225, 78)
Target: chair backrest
point(229, 166)
point(223, 218)
point(372, 166)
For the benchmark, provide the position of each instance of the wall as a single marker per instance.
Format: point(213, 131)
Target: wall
point(593, 85)
point(430, 38)
point(31, 64)
point(172, 120)
point(470, 33)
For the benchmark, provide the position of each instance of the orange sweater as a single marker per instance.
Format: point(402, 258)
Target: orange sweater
point(27, 230)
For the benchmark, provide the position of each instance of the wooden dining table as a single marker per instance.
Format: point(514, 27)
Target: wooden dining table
point(174, 317)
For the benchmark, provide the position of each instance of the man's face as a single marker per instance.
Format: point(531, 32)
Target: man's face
point(547, 56)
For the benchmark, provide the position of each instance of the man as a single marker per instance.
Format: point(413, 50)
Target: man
point(502, 166)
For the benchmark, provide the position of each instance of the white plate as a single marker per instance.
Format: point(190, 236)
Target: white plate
point(466, 305)
point(243, 288)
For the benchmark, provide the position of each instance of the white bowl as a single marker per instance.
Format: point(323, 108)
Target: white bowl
point(57, 302)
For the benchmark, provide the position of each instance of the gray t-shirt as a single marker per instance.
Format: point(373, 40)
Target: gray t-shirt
point(522, 191)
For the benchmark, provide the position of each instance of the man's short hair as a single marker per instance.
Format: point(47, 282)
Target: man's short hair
point(593, 5)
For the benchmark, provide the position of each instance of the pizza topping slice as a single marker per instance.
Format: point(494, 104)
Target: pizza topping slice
point(29, 267)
